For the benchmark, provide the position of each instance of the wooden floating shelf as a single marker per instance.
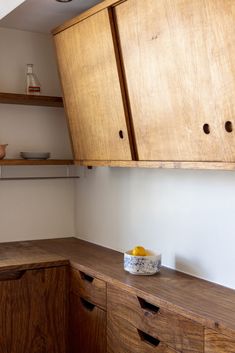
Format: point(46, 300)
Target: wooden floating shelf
point(9, 162)
point(160, 164)
point(24, 99)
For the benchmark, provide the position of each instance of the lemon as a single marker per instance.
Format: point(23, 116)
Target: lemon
point(139, 251)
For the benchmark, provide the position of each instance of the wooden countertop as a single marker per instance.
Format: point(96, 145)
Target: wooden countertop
point(207, 303)
point(26, 255)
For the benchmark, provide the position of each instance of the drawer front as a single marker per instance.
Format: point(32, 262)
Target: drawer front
point(87, 327)
point(217, 343)
point(88, 287)
point(122, 337)
point(176, 331)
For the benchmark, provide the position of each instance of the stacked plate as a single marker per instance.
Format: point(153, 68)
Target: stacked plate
point(35, 155)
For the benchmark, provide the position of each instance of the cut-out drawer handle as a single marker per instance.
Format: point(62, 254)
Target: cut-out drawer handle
point(148, 339)
point(11, 275)
point(86, 277)
point(148, 307)
point(87, 305)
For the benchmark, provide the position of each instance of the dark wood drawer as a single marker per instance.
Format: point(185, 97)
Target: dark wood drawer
point(176, 331)
point(87, 327)
point(122, 337)
point(217, 343)
point(88, 287)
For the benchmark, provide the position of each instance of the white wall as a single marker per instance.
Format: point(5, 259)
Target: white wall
point(188, 216)
point(33, 209)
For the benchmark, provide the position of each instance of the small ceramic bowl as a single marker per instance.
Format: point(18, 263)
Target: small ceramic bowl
point(142, 265)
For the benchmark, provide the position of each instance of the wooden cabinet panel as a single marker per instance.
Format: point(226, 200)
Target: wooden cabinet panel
point(179, 65)
point(88, 287)
point(217, 343)
point(176, 331)
point(87, 327)
point(33, 315)
point(125, 338)
point(92, 91)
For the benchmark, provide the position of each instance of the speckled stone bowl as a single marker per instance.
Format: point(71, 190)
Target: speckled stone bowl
point(142, 265)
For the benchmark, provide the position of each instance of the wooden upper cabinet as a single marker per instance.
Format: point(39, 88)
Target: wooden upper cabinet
point(179, 63)
point(92, 91)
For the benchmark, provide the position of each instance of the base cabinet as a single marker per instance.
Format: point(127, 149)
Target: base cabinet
point(33, 315)
point(125, 338)
point(87, 315)
point(142, 326)
point(217, 343)
point(88, 327)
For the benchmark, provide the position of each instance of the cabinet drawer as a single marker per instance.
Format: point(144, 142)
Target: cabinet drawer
point(88, 287)
point(87, 327)
point(217, 343)
point(122, 337)
point(176, 331)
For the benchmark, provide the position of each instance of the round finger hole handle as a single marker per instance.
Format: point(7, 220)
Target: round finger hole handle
point(121, 135)
point(206, 129)
point(228, 126)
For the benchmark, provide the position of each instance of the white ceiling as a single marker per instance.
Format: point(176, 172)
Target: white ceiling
point(44, 15)
point(7, 6)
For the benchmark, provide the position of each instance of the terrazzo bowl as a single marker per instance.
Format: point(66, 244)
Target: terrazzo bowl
point(142, 265)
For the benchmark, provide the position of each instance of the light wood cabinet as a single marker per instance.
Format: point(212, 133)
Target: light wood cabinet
point(179, 59)
point(92, 90)
point(153, 81)
point(33, 315)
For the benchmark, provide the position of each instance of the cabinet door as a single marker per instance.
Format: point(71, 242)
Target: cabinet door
point(92, 91)
point(33, 311)
point(87, 326)
point(179, 62)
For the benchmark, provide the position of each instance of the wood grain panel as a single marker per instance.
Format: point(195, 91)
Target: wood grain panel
point(217, 343)
point(179, 62)
point(88, 287)
point(176, 331)
point(125, 338)
point(92, 92)
point(33, 315)
point(87, 327)
point(160, 164)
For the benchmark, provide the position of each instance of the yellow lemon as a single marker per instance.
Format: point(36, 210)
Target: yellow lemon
point(139, 251)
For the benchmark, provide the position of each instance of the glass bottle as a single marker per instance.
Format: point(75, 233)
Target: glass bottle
point(32, 85)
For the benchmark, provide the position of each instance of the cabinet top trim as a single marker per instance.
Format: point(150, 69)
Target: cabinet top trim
point(99, 7)
point(160, 164)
